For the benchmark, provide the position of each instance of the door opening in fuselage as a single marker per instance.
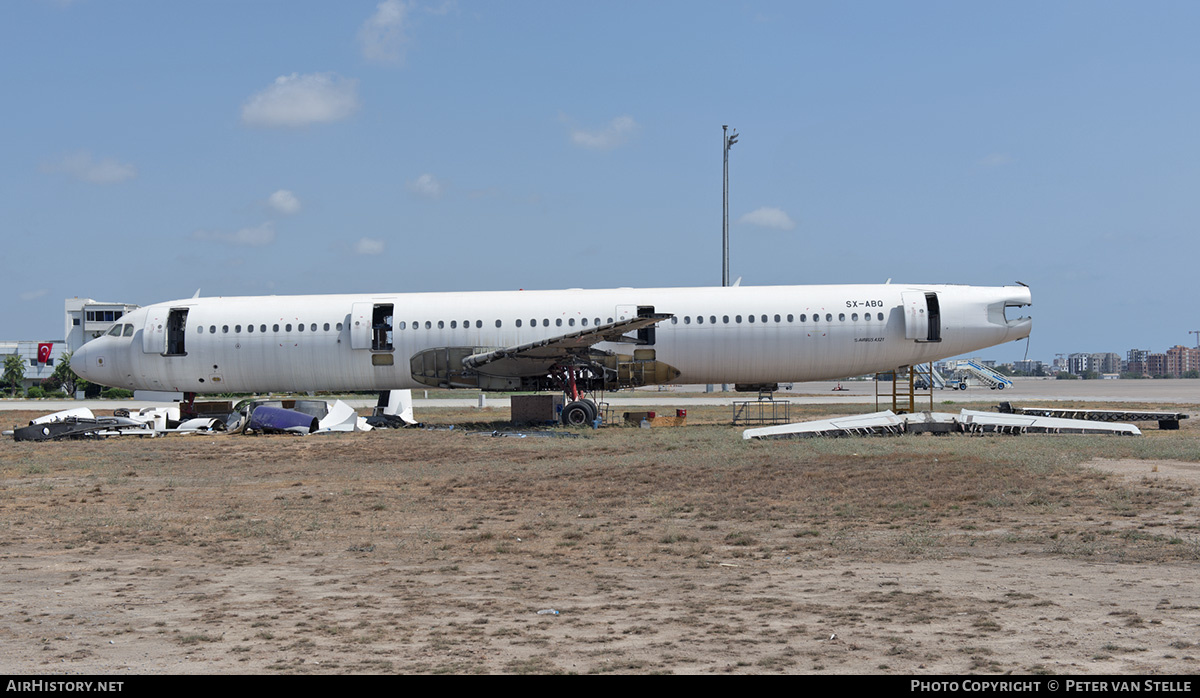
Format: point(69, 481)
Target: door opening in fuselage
point(381, 327)
point(176, 332)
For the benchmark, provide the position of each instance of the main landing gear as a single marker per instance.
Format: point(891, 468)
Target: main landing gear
point(579, 411)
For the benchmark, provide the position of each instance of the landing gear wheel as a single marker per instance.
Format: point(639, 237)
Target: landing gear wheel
point(579, 413)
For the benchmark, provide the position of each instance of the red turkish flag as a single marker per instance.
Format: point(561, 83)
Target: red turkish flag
point(45, 349)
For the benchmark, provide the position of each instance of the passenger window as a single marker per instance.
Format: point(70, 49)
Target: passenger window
point(275, 328)
point(750, 318)
point(300, 327)
point(880, 316)
point(712, 319)
point(212, 329)
point(776, 318)
point(479, 324)
point(699, 319)
point(737, 319)
point(498, 323)
point(841, 317)
point(854, 317)
point(237, 329)
point(764, 318)
point(571, 322)
point(725, 319)
point(262, 328)
point(789, 317)
point(441, 324)
point(313, 327)
point(558, 322)
point(288, 327)
point(428, 325)
point(545, 322)
point(250, 328)
point(828, 317)
point(597, 322)
point(453, 325)
point(584, 322)
point(327, 327)
point(200, 329)
point(518, 322)
point(687, 320)
point(224, 329)
point(339, 327)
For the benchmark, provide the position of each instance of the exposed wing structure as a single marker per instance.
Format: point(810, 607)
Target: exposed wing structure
point(534, 366)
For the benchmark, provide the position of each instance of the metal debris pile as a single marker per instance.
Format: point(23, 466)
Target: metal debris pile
point(254, 416)
point(887, 423)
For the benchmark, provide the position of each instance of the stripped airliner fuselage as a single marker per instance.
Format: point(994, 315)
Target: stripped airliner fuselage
point(519, 339)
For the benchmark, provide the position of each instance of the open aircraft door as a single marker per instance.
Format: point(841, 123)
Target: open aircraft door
point(154, 336)
point(922, 316)
point(360, 325)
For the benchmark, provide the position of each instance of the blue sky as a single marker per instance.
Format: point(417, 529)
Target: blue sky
point(153, 148)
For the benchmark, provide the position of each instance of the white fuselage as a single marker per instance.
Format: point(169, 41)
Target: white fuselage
point(742, 335)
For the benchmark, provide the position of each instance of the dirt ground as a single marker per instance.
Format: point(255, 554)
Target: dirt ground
point(679, 550)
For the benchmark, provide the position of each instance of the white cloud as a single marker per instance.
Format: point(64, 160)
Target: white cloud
point(258, 236)
point(382, 36)
point(614, 134)
point(368, 246)
point(299, 100)
point(997, 160)
point(769, 217)
point(284, 202)
point(427, 186)
point(81, 166)
point(32, 295)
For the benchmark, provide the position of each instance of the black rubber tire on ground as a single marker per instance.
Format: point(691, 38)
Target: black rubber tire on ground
point(577, 414)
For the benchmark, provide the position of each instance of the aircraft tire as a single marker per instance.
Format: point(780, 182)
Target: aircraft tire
point(962, 386)
point(577, 414)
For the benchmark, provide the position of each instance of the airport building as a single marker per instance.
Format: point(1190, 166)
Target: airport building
point(37, 358)
point(87, 319)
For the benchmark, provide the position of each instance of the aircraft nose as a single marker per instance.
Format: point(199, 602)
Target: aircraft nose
point(79, 362)
point(88, 362)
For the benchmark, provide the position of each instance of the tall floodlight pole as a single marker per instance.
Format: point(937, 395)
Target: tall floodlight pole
point(728, 139)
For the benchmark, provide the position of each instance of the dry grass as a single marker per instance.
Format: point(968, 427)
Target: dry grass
point(429, 551)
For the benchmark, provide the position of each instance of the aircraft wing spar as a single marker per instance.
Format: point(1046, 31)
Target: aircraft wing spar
point(520, 366)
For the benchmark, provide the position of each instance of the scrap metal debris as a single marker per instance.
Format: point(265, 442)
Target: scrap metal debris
point(967, 421)
point(257, 415)
point(1166, 420)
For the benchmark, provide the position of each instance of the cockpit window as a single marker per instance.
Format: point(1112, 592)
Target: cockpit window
point(128, 331)
point(115, 331)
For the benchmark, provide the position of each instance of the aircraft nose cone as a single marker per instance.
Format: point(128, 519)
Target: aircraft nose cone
point(79, 362)
point(89, 362)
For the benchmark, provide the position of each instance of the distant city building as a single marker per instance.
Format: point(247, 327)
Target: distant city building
point(1079, 363)
point(1030, 366)
point(1106, 362)
point(1181, 359)
point(1137, 361)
